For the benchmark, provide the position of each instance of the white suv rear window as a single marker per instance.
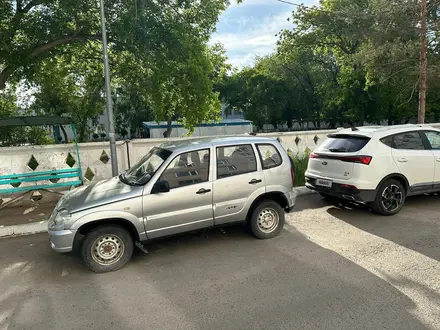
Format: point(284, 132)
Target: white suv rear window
point(344, 143)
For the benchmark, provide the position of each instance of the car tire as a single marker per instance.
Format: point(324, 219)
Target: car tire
point(107, 248)
point(390, 198)
point(267, 220)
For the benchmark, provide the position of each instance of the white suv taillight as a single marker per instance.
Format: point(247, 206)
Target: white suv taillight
point(366, 160)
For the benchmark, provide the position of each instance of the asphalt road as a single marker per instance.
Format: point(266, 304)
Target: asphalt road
point(331, 268)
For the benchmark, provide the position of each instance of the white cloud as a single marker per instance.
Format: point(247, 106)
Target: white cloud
point(253, 32)
point(242, 60)
point(255, 39)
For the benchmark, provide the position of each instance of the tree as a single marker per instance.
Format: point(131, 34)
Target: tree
point(8, 108)
point(166, 41)
point(72, 88)
point(346, 62)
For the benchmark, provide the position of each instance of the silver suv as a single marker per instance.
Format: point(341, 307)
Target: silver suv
point(177, 187)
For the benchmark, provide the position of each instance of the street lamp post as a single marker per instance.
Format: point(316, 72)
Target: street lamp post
point(110, 120)
point(423, 62)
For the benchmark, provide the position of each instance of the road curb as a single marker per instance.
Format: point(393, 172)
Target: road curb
point(41, 227)
point(27, 229)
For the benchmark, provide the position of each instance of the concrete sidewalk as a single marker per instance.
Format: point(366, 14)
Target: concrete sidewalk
point(23, 216)
point(27, 213)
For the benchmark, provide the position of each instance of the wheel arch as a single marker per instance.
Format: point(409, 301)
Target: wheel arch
point(396, 176)
point(276, 196)
point(88, 226)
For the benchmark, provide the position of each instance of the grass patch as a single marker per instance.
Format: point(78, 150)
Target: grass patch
point(301, 162)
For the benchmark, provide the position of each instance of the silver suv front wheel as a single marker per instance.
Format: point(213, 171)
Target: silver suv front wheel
point(107, 248)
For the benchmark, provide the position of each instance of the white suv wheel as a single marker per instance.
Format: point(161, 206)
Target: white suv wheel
point(390, 197)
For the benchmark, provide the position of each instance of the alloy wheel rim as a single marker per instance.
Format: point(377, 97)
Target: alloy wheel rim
point(107, 249)
point(392, 198)
point(268, 220)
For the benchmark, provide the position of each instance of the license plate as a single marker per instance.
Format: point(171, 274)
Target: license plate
point(324, 183)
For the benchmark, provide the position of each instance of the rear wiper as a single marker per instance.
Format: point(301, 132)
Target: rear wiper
point(337, 150)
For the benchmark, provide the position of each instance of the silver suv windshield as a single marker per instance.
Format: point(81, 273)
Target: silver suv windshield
point(142, 172)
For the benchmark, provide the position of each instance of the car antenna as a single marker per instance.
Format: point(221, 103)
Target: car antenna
point(354, 129)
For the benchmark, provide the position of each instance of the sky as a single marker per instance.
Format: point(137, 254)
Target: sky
point(248, 30)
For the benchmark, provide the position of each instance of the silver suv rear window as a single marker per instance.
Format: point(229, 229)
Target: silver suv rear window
point(345, 143)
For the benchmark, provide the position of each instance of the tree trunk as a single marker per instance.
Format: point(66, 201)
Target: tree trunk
point(82, 131)
point(423, 63)
point(167, 133)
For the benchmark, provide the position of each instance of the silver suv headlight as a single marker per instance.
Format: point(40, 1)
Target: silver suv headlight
point(62, 220)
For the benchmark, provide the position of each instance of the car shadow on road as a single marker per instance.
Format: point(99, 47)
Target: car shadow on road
point(311, 201)
point(217, 279)
point(226, 273)
point(416, 227)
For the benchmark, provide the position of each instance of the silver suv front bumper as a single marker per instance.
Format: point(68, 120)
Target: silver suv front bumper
point(62, 240)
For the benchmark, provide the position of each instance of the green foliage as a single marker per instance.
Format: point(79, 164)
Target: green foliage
point(300, 161)
point(162, 67)
point(70, 88)
point(9, 108)
point(343, 62)
point(38, 136)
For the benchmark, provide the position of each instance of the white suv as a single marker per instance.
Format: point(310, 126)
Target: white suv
point(377, 166)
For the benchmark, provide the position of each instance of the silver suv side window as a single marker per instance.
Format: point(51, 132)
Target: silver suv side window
point(235, 160)
point(270, 157)
point(187, 169)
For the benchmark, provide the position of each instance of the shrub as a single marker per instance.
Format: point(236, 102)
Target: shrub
point(301, 162)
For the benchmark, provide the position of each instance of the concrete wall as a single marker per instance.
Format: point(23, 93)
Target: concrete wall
point(157, 133)
point(95, 155)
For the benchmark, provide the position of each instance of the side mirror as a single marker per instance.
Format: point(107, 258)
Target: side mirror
point(161, 186)
point(144, 179)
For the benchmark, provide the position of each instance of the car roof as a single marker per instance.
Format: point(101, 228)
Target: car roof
point(200, 143)
point(381, 131)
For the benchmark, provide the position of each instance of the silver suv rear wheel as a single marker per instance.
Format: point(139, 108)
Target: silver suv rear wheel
point(267, 219)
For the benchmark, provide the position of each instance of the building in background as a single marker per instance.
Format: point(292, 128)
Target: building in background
point(232, 123)
point(228, 126)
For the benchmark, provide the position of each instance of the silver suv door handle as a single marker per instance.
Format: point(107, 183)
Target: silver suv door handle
point(402, 160)
point(203, 191)
point(255, 181)
point(438, 159)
